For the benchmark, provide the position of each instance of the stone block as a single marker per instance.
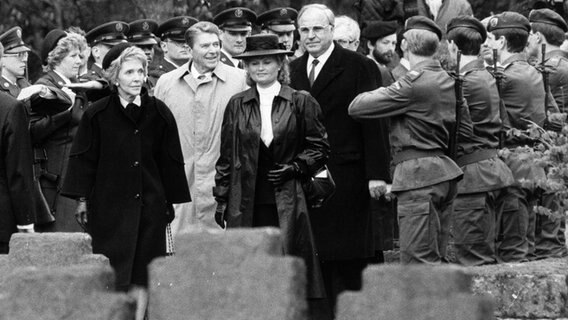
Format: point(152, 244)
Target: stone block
point(531, 290)
point(362, 306)
point(238, 274)
point(33, 283)
point(51, 249)
point(97, 306)
point(409, 281)
point(228, 247)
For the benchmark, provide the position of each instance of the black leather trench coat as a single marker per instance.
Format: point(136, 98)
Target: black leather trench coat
point(299, 136)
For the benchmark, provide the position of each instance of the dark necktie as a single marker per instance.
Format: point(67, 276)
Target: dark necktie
point(133, 111)
point(240, 64)
point(312, 76)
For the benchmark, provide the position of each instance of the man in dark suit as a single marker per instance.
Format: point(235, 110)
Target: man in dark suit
point(359, 158)
point(16, 179)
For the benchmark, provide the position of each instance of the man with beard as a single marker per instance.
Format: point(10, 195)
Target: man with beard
point(381, 42)
point(197, 94)
point(176, 52)
point(236, 26)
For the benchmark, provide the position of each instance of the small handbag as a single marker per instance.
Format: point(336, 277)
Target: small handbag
point(319, 188)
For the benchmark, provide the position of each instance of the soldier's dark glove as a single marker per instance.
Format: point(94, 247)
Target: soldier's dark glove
point(282, 173)
point(220, 214)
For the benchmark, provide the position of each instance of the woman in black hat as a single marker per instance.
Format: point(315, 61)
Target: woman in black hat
point(271, 138)
point(54, 118)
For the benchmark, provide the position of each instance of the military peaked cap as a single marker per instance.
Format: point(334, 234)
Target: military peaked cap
point(12, 41)
point(142, 32)
point(284, 17)
point(110, 33)
point(236, 19)
point(175, 28)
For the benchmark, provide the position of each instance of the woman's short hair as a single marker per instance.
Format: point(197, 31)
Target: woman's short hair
point(130, 53)
point(553, 34)
point(468, 40)
point(72, 41)
point(198, 28)
point(422, 43)
point(516, 38)
point(283, 75)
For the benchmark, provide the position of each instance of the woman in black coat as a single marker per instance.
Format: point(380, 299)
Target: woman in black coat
point(126, 170)
point(271, 138)
point(54, 118)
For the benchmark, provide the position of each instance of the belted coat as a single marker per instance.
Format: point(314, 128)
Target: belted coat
point(299, 136)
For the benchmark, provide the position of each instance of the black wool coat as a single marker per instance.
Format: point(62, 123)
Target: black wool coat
point(359, 152)
point(129, 172)
point(16, 180)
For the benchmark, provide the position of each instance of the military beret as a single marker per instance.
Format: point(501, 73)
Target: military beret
point(548, 16)
point(142, 32)
point(467, 22)
point(175, 28)
point(379, 29)
point(12, 41)
point(236, 19)
point(283, 17)
point(422, 23)
point(508, 20)
point(114, 53)
point(110, 33)
point(50, 42)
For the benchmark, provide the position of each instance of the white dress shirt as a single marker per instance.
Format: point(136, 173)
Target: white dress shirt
point(137, 101)
point(322, 59)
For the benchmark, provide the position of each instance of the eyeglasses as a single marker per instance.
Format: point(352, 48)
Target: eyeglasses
point(21, 55)
point(317, 30)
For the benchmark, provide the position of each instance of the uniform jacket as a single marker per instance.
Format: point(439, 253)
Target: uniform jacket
point(399, 71)
point(421, 106)
point(522, 90)
point(198, 108)
point(14, 89)
point(16, 179)
point(359, 152)
point(303, 142)
point(157, 70)
point(53, 125)
point(558, 77)
point(225, 59)
point(487, 172)
point(128, 171)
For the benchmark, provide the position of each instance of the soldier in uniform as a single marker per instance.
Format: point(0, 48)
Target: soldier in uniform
point(14, 66)
point(523, 94)
point(485, 174)
point(281, 22)
point(235, 25)
point(421, 107)
point(176, 52)
point(381, 41)
point(141, 33)
point(101, 39)
point(548, 28)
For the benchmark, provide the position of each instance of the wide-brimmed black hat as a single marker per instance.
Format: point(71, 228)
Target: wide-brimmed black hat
point(263, 45)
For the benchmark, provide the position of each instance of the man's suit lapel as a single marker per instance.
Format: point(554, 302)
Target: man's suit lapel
point(300, 77)
point(331, 69)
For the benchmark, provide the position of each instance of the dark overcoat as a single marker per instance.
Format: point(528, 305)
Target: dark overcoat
point(16, 181)
point(129, 172)
point(299, 136)
point(359, 152)
point(53, 125)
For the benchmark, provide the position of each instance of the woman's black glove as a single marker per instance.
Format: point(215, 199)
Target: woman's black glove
point(220, 214)
point(283, 173)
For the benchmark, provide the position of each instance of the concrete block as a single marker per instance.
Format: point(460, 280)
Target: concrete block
point(529, 290)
